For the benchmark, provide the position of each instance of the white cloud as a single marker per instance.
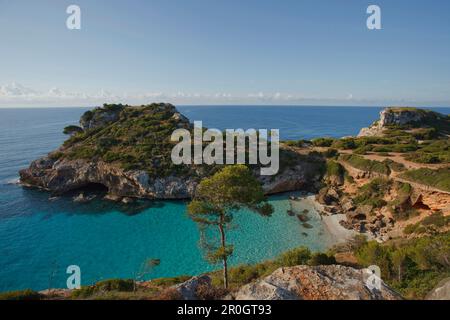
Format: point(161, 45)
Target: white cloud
point(15, 90)
point(14, 94)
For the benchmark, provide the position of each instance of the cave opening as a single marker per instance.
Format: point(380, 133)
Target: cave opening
point(420, 205)
point(90, 189)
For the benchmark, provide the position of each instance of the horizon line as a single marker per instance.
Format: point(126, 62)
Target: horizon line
point(230, 105)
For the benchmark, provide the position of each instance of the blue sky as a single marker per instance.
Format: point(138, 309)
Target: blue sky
point(313, 52)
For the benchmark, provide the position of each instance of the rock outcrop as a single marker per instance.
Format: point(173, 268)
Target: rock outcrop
point(60, 177)
point(188, 290)
point(400, 117)
point(441, 292)
point(104, 154)
point(332, 282)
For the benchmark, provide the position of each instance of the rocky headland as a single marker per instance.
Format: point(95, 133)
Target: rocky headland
point(126, 151)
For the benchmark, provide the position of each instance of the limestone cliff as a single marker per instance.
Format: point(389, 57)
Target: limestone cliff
point(405, 117)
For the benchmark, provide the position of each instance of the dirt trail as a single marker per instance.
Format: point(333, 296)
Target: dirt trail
point(397, 157)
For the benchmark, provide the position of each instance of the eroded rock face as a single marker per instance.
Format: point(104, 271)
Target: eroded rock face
point(333, 282)
point(390, 117)
point(63, 176)
point(99, 118)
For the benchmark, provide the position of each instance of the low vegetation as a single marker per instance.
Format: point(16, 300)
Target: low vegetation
point(247, 273)
point(439, 179)
point(360, 163)
point(373, 193)
point(139, 139)
point(23, 295)
point(429, 225)
point(437, 151)
point(335, 169)
point(413, 267)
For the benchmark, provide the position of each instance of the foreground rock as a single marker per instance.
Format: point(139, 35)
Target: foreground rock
point(315, 283)
point(189, 290)
point(441, 292)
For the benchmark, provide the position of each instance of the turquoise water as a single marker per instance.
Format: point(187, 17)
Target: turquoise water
point(107, 243)
point(39, 238)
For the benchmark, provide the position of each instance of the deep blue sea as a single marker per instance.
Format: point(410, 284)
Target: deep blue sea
point(40, 238)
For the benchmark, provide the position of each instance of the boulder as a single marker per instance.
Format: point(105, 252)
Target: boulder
point(347, 204)
point(441, 292)
point(366, 210)
point(187, 290)
point(328, 196)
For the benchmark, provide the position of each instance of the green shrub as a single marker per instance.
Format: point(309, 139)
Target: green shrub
point(115, 285)
point(421, 157)
point(56, 155)
point(299, 256)
point(334, 169)
point(72, 130)
point(362, 150)
point(345, 143)
point(103, 287)
point(244, 274)
point(21, 295)
point(394, 166)
point(373, 193)
point(360, 163)
point(330, 153)
point(297, 143)
point(167, 282)
point(411, 228)
point(318, 259)
point(323, 142)
point(439, 179)
point(436, 219)
point(413, 267)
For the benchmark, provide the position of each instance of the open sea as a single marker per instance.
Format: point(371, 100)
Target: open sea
point(41, 237)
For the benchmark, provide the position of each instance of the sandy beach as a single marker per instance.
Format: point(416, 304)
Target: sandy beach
point(338, 233)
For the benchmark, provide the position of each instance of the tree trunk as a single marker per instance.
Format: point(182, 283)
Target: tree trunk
point(225, 266)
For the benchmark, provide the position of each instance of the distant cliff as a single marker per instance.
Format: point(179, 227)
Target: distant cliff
point(407, 118)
